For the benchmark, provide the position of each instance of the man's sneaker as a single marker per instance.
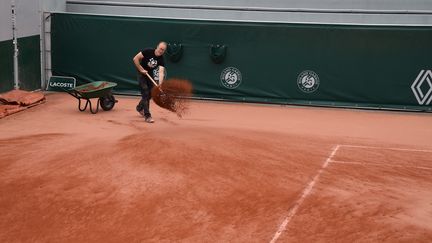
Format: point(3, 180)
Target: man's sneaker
point(149, 119)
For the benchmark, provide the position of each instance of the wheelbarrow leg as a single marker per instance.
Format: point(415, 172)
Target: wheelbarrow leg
point(88, 103)
point(85, 107)
point(97, 107)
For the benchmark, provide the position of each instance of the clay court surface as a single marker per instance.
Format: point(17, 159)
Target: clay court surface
point(225, 172)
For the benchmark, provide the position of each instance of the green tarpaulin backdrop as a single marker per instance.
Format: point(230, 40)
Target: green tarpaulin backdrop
point(337, 65)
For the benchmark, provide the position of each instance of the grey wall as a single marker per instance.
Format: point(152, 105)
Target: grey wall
point(320, 4)
point(52, 5)
point(381, 12)
point(27, 18)
point(5, 20)
point(28, 15)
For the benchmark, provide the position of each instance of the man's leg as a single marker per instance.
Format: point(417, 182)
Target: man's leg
point(141, 104)
point(145, 88)
point(144, 94)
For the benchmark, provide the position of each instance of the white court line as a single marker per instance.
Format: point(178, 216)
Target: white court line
point(380, 164)
point(304, 194)
point(329, 160)
point(399, 149)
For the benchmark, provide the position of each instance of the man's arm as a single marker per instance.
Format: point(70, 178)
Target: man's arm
point(161, 74)
point(137, 60)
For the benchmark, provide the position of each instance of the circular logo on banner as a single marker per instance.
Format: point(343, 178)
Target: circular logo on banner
point(231, 77)
point(308, 81)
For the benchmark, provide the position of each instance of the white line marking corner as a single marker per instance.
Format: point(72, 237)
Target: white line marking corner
point(305, 193)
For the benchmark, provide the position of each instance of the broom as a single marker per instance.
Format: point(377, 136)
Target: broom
point(172, 94)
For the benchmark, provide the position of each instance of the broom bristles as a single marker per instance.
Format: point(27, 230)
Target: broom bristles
point(174, 95)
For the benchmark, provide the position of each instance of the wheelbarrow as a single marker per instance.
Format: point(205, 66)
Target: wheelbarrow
point(102, 90)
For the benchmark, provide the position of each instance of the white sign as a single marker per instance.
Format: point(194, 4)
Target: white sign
point(231, 77)
point(308, 81)
point(60, 83)
point(424, 79)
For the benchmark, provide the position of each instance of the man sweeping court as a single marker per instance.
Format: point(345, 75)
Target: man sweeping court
point(149, 61)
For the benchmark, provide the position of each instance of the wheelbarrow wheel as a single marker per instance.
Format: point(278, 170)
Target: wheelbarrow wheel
point(107, 102)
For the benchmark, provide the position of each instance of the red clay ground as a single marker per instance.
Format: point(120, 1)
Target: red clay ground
point(224, 173)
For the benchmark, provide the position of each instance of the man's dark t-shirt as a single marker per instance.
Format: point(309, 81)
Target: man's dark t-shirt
point(150, 62)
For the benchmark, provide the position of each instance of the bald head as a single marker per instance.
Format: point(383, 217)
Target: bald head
point(161, 48)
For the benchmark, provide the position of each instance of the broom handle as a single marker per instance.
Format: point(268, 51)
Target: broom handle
point(154, 82)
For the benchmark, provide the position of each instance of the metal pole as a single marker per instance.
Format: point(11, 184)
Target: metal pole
point(42, 47)
point(15, 43)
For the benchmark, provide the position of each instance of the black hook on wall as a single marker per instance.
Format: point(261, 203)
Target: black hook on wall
point(174, 52)
point(218, 53)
